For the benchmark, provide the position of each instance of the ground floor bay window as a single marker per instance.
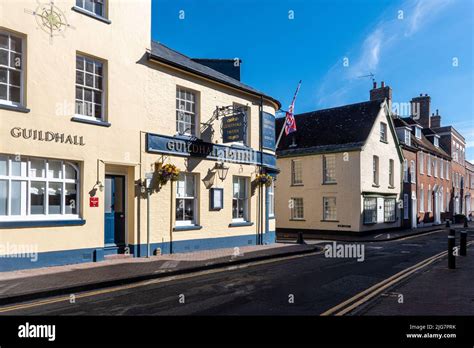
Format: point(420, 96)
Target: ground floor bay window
point(186, 200)
point(38, 189)
point(379, 210)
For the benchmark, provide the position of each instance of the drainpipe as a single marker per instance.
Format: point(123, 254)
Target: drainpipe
point(148, 251)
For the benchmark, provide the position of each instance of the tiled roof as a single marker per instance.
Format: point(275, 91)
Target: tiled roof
point(330, 130)
point(171, 57)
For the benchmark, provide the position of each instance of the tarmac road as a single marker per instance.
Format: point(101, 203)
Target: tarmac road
point(303, 285)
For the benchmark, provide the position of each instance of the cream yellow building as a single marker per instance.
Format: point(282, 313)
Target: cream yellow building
point(340, 172)
point(90, 108)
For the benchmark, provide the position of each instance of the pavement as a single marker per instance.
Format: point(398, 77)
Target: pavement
point(31, 284)
point(437, 290)
point(377, 236)
point(302, 284)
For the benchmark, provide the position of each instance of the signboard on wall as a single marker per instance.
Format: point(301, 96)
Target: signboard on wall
point(233, 128)
point(268, 141)
point(93, 202)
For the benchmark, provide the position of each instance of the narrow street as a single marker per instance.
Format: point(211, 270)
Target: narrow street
point(316, 284)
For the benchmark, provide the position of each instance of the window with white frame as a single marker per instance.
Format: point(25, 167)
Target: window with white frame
point(271, 199)
point(428, 165)
point(418, 132)
point(422, 199)
point(329, 169)
point(296, 172)
point(447, 170)
point(297, 208)
point(405, 170)
point(375, 170)
point(11, 69)
point(436, 142)
point(391, 179)
point(329, 209)
point(383, 131)
point(429, 198)
point(407, 137)
point(186, 116)
point(186, 199)
point(94, 6)
point(412, 172)
point(390, 210)
point(435, 167)
point(441, 168)
point(37, 188)
point(240, 200)
point(89, 88)
point(370, 210)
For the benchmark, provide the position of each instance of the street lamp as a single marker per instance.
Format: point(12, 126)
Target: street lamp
point(221, 170)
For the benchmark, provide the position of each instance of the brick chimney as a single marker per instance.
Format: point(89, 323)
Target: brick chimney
point(383, 92)
point(436, 120)
point(420, 110)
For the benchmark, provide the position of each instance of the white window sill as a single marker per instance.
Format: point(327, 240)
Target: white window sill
point(90, 120)
point(13, 107)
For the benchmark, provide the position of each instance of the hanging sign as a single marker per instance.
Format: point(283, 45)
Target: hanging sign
point(93, 202)
point(233, 128)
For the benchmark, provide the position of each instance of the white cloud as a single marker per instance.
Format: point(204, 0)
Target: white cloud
point(366, 57)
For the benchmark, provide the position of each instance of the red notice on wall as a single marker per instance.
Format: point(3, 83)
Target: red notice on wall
point(93, 202)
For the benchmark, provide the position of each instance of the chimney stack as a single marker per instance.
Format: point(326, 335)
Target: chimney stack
point(384, 92)
point(420, 110)
point(436, 120)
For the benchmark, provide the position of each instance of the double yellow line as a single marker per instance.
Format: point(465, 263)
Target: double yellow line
point(364, 296)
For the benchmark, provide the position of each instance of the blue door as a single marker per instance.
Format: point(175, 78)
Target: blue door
point(114, 205)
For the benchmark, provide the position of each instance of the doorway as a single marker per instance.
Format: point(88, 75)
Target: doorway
point(114, 206)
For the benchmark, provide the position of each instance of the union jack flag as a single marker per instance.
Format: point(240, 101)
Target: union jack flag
point(290, 122)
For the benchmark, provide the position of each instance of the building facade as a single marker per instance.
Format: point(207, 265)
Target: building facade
point(340, 172)
point(90, 119)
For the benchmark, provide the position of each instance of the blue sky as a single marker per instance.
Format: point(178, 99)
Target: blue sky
point(415, 46)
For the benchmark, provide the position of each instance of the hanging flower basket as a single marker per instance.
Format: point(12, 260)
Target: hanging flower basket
point(264, 179)
point(168, 172)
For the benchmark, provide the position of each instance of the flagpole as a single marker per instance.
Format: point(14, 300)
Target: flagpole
point(283, 128)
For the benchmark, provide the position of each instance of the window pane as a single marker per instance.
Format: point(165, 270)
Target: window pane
point(54, 197)
point(15, 78)
point(3, 57)
point(79, 60)
point(189, 210)
point(71, 199)
point(18, 167)
point(89, 80)
point(3, 41)
point(37, 192)
point(3, 197)
point(15, 60)
point(15, 44)
point(190, 185)
point(15, 94)
point(18, 198)
point(79, 77)
point(89, 66)
point(37, 168)
point(3, 92)
point(3, 75)
point(54, 169)
point(70, 171)
point(3, 165)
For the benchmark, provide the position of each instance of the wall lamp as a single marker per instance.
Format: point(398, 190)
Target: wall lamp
point(222, 170)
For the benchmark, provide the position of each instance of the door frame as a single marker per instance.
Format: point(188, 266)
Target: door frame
point(125, 207)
